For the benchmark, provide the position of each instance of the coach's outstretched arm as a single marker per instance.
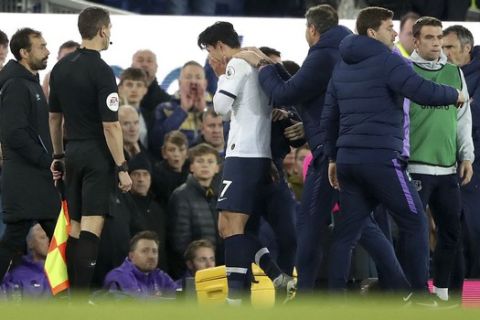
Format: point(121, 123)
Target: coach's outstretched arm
point(403, 79)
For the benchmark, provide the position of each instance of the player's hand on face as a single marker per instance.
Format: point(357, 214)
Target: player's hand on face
point(465, 171)
point(218, 66)
point(251, 57)
point(279, 114)
point(295, 131)
point(125, 182)
point(332, 175)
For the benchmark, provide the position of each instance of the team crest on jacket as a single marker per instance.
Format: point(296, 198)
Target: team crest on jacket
point(230, 72)
point(113, 101)
point(417, 184)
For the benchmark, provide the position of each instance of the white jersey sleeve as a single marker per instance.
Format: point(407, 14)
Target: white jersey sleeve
point(230, 85)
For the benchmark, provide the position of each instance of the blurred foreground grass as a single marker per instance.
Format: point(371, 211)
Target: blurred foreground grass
point(318, 307)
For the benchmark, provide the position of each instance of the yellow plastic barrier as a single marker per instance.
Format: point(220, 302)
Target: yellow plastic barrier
point(211, 286)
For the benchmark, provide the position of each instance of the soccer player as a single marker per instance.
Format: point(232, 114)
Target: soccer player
point(440, 137)
point(246, 172)
point(84, 92)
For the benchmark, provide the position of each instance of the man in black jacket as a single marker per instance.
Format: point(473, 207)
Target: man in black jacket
point(28, 191)
point(192, 208)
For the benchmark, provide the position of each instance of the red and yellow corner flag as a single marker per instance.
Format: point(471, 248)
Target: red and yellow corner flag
point(56, 262)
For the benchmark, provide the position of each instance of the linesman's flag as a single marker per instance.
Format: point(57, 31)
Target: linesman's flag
point(56, 262)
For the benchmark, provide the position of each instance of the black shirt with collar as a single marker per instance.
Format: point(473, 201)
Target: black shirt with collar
point(84, 89)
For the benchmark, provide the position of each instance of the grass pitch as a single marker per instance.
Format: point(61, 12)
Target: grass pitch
point(318, 307)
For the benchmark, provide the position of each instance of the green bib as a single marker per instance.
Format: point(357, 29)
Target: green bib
point(433, 129)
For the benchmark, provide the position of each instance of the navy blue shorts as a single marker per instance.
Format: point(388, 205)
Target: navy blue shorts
point(243, 184)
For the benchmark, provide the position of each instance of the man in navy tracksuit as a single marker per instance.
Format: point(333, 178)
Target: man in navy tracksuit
point(307, 89)
point(364, 120)
point(459, 47)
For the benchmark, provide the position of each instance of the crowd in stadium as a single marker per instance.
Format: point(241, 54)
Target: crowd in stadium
point(358, 163)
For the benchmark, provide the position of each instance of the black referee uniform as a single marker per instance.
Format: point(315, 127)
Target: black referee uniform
point(83, 88)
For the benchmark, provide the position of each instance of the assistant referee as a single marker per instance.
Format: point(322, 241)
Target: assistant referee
point(84, 94)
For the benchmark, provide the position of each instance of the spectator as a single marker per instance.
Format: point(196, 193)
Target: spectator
point(173, 170)
point(200, 255)
point(191, 207)
point(66, 48)
point(150, 214)
point(131, 89)
point(296, 179)
point(405, 37)
point(211, 131)
point(28, 277)
point(139, 276)
point(147, 61)
point(191, 7)
point(3, 48)
point(131, 212)
point(130, 122)
point(184, 111)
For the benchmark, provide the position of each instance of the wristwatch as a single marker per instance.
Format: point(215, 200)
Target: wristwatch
point(262, 62)
point(123, 167)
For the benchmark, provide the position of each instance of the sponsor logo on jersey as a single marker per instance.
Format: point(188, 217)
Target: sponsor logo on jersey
point(113, 101)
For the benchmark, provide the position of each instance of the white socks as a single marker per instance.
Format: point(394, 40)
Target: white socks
point(442, 293)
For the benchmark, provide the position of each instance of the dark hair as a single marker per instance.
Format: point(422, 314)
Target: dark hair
point(219, 31)
point(322, 17)
point(91, 20)
point(189, 254)
point(69, 45)
point(134, 74)
point(463, 34)
point(201, 150)
point(143, 235)
point(408, 16)
point(3, 39)
point(209, 112)
point(372, 18)
point(291, 66)
point(21, 40)
point(176, 137)
point(425, 21)
point(270, 51)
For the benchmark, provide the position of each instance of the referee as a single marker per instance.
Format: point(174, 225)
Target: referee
point(84, 94)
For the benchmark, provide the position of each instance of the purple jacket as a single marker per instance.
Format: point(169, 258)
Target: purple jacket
point(29, 278)
point(128, 279)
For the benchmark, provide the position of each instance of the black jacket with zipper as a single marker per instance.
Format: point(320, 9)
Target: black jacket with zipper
point(28, 191)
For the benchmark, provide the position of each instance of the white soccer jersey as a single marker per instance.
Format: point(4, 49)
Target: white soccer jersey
point(239, 92)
